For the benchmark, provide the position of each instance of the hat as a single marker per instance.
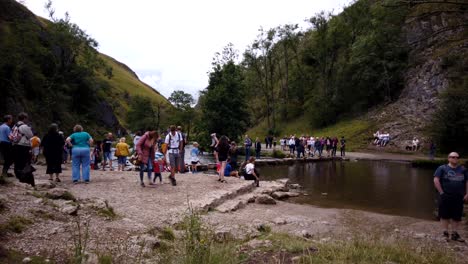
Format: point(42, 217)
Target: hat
point(195, 143)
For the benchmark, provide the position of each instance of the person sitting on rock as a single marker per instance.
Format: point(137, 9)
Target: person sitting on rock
point(228, 171)
point(250, 173)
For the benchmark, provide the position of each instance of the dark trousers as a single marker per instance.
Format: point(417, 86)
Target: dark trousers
point(342, 151)
point(22, 158)
point(7, 153)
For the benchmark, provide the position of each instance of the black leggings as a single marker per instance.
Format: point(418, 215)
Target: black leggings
point(22, 158)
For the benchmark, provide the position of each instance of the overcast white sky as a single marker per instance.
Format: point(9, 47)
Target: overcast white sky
point(170, 44)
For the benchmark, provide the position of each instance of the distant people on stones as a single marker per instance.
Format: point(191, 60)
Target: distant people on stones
point(328, 144)
point(270, 141)
point(106, 147)
point(300, 148)
point(229, 171)
point(20, 137)
point(5, 145)
point(250, 173)
point(266, 142)
point(274, 143)
point(376, 137)
point(52, 148)
point(415, 144)
point(247, 146)
point(334, 146)
point(122, 151)
point(310, 146)
point(223, 152)
point(292, 145)
point(451, 181)
point(80, 142)
point(343, 146)
point(258, 148)
point(35, 146)
point(283, 143)
point(181, 167)
point(317, 146)
point(194, 157)
point(175, 143)
point(145, 149)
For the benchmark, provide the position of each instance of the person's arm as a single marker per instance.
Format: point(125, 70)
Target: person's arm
point(68, 141)
point(437, 176)
point(139, 145)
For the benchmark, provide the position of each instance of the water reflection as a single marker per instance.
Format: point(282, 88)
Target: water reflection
point(385, 187)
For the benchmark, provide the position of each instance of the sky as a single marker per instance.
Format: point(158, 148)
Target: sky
point(171, 44)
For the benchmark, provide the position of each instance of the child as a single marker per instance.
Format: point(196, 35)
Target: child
point(157, 165)
point(194, 157)
point(122, 151)
point(35, 144)
point(97, 155)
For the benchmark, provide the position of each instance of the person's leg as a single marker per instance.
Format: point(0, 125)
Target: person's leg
point(85, 164)
point(221, 170)
point(150, 169)
point(7, 154)
point(182, 162)
point(76, 162)
point(110, 162)
point(142, 171)
point(104, 161)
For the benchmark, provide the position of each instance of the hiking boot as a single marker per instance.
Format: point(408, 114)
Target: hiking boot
point(142, 184)
point(173, 181)
point(456, 237)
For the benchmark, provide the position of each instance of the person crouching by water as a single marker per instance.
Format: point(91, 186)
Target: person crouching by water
point(223, 151)
point(451, 181)
point(250, 173)
point(80, 142)
point(52, 148)
point(145, 149)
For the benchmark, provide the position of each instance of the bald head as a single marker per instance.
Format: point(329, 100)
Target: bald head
point(453, 158)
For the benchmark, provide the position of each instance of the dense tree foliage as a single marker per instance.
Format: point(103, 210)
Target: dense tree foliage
point(341, 66)
point(183, 113)
point(222, 103)
point(145, 115)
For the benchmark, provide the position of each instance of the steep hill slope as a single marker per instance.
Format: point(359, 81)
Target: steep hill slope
point(52, 71)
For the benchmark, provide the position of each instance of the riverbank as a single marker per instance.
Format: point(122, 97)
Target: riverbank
point(116, 212)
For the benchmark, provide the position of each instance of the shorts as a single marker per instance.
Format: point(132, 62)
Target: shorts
point(222, 158)
point(122, 160)
point(174, 160)
point(35, 151)
point(106, 156)
point(451, 206)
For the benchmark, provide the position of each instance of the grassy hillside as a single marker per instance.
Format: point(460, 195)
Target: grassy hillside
point(358, 132)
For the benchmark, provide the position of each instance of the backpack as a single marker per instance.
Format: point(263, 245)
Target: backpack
point(15, 135)
point(178, 136)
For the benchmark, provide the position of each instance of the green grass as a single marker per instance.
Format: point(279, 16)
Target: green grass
point(15, 224)
point(357, 132)
point(167, 234)
point(107, 212)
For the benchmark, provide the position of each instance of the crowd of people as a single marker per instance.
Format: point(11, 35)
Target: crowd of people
point(308, 146)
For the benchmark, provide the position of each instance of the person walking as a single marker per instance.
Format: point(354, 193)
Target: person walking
point(5, 145)
point(223, 151)
point(122, 151)
point(174, 142)
point(52, 148)
point(451, 181)
point(343, 146)
point(21, 139)
point(145, 150)
point(80, 143)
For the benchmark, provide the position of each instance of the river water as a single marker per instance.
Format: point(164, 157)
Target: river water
point(384, 187)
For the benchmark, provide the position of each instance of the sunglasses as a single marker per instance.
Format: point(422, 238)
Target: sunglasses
point(453, 157)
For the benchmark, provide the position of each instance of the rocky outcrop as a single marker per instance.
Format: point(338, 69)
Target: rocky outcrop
point(431, 39)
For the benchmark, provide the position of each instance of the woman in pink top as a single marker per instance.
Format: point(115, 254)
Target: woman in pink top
point(145, 149)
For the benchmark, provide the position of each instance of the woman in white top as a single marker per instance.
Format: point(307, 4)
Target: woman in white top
point(250, 174)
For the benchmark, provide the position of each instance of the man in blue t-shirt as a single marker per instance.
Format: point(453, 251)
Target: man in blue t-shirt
point(5, 144)
point(451, 181)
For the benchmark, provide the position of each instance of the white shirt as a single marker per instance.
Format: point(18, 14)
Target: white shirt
point(249, 168)
point(292, 141)
point(174, 142)
point(135, 140)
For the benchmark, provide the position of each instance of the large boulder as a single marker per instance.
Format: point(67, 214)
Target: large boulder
point(265, 199)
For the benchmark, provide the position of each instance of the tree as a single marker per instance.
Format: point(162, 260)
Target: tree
point(144, 114)
point(183, 113)
point(222, 104)
point(181, 100)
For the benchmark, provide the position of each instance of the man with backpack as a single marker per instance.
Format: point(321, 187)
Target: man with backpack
point(5, 145)
point(182, 150)
point(20, 137)
point(174, 143)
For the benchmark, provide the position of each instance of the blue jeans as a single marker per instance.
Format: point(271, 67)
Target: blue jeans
point(80, 158)
point(247, 153)
point(146, 167)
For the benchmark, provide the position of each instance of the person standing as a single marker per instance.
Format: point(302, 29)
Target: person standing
point(451, 181)
point(258, 148)
point(20, 137)
point(80, 143)
point(194, 159)
point(122, 151)
point(136, 139)
point(174, 142)
point(5, 144)
point(181, 168)
point(35, 147)
point(223, 151)
point(106, 151)
point(247, 146)
point(343, 146)
point(52, 147)
point(145, 149)
point(432, 149)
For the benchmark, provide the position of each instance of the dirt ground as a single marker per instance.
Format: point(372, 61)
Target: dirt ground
point(53, 226)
